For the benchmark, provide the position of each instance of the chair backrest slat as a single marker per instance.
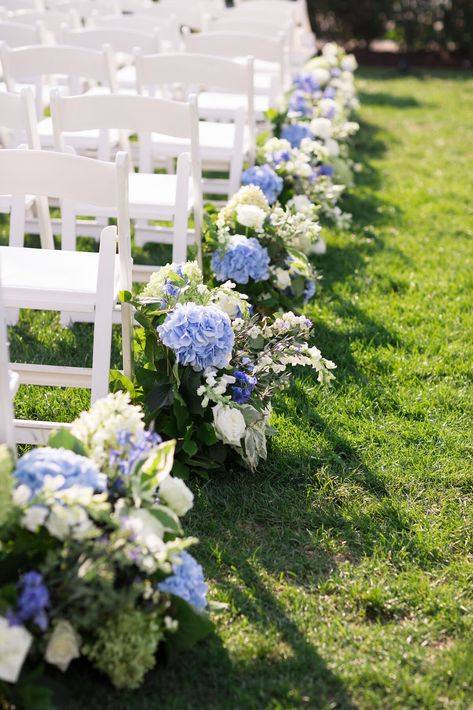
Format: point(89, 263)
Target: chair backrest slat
point(236, 44)
point(17, 34)
point(120, 40)
point(17, 113)
point(60, 175)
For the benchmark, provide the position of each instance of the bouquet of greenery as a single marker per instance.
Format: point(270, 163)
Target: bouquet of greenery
point(263, 250)
point(207, 370)
point(93, 559)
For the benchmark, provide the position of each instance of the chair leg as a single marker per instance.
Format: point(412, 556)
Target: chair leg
point(179, 243)
point(103, 314)
point(68, 226)
point(17, 221)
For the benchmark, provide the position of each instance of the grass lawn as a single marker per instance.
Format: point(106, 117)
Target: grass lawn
point(346, 562)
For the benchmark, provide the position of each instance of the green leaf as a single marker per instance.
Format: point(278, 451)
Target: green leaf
point(193, 626)
point(119, 381)
point(160, 396)
point(167, 518)
point(63, 439)
point(190, 447)
point(180, 469)
point(206, 433)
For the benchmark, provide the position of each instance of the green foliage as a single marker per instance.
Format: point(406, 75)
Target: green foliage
point(125, 647)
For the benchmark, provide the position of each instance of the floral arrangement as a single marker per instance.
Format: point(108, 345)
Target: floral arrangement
point(206, 368)
point(307, 153)
point(94, 561)
point(264, 249)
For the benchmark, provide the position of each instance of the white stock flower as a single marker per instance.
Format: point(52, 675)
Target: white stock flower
point(15, 642)
point(229, 424)
point(176, 495)
point(251, 216)
point(321, 128)
point(63, 645)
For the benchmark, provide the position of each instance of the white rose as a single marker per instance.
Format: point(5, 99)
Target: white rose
point(34, 517)
point(283, 278)
point(229, 424)
point(176, 495)
point(250, 216)
point(15, 642)
point(63, 646)
point(321, 128)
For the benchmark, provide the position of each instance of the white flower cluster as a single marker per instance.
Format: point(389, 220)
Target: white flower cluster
point(98, 428)
point(248, 195)
point(298, 229)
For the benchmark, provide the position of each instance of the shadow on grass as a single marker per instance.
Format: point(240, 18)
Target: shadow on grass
point(383, 98)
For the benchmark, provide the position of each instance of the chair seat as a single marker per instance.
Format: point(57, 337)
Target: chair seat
point(83, 140)
point(151, 196)
point(155, 193)
point(216, 140)
point(50, 279)
point(214, 104)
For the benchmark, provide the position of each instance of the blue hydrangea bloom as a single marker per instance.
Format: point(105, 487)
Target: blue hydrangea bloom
point(32, 601)
point(305, 81)
point(329, 92)
point(243, 388)
point(264, 177)
point(298, 104)
point(187, 582)
point(125, 461)
point(309, 291)
point(242, 259)
point(326, 170)
point(295, 133)
point(77, 470)
point(201, 336)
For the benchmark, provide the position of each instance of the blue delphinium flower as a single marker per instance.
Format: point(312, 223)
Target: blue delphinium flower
point(305, 81)
point(295, 133)
point(32, 601)
point(243, 388)
point(298, 104)
point(242, 259)
point(77, 470)
point(309, 291)
point(201, 336)
point(187, 582)
point(130, 452)
point(326, 170)
point(264, 177)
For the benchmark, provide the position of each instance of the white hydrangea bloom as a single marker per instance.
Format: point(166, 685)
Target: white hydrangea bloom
point(98, 428)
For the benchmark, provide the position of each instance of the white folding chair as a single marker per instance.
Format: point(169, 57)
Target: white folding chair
point(13, 5)
point(8, 383)
point(188, 14)
point(270, 55)
point(165, 24)
point(77, 281)
point(151, 196)
point(50, 20)
point(85, 8)
point(223, 144)
point(17, 126)
point(18, 34)
point(123, 43)
point(81, 68)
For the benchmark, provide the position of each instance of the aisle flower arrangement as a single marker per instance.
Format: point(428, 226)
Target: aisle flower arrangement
point(307, 153)
point(207, 369)
point(93, 560)
point(264, 249)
